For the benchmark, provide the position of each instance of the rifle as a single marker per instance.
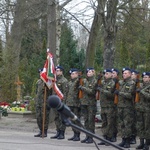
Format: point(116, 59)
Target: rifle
point(99, 84)
point(117, 88)
point(80, 83)
point(137, 98)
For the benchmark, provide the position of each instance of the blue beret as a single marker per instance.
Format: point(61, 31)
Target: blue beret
point(40, 70)
point(126, 68)
point(107, 70)
point(116, 70)
point(145, 74)
point(73, 70)
point(90, 68)
point(59, 67)
point(134, 71)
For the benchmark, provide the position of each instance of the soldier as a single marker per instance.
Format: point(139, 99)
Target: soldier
point(125, 107)
point(61, 82)
point(72, 99)
point(115, 77)
point(143, 111)
point(134, 77)
point(107, 105)
point(88, 103)
point(39, 102)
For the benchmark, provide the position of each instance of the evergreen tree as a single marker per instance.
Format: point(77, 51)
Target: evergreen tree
point(148, 57)
point(70, 57)
point(33, 54)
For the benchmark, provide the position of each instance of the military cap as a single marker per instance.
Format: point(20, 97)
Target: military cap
point(145, 74)
point(59, 67)
point(73, 70)
point(116, 70)
point(134, 71)
point(90, 68)
point(40, 70)
point(107, 70)
point(126, 68)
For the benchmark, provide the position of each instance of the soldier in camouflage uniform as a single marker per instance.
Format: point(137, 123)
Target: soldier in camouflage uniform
point(39, 102)
point(72, 99)
point(134, 77)
point(125, 107)
point(143, 111)
point(88, 103)
point(61, 82)
point(107, 89)
point(115, 77)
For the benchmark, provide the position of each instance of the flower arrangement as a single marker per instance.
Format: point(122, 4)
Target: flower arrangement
point(27, 104)
point(19, 106)
point(4, 108)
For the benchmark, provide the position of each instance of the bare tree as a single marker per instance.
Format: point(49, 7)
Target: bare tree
point(108, 12)
point(97, 22)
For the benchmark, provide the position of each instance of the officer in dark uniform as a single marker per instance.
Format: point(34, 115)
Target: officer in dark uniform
point(61, 82)
point(39, 102)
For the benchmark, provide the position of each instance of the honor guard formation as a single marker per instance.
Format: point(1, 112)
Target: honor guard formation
point(124, 105)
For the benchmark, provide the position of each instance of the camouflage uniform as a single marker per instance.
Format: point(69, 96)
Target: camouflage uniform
point(107, 108)
point(143, 117)
point(39, 106)
point(134, 132)
point(72, 101)
point(88, 103)
point(143, 109)
point(114, 138)
point(60, 127)
point(115, 76)
point(125, 110)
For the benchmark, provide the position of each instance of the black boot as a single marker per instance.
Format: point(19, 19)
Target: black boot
point(55, 136)
point(61, 135)
point(141, 144)
point(114, 138)
point(89, 140)
point(45, 134)
point(133, 139)
point(39, 134)
point(108, 139)
point(70, 139)
point(86, 138)
point(122, 143)
point(77, 137)
point(127, 143)
point(146, 145)
point(102, 143)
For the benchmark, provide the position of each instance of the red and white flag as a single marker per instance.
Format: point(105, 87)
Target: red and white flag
point(48, 75)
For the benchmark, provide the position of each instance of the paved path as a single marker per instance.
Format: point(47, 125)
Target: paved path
point(18, 134)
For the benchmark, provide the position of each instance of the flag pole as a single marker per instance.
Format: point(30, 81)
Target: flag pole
point(44, 109)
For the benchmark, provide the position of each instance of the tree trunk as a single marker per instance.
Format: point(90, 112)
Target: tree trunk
point(51, 27)
point(109, 48)
point(12, 53)
point(90, 52)
point(108, 11)
point(58, 32)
